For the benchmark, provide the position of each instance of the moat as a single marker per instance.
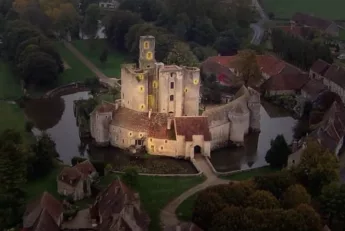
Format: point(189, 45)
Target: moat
point(56, 117)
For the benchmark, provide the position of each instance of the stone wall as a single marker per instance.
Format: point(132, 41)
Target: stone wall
point(162, 147)
point(191, 82)
point(124, 138)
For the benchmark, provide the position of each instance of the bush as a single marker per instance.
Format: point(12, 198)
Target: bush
point(130, 177)
point(295, 195)
point(262, 200)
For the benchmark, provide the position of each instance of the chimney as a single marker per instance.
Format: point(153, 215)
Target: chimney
point(169, 123)
point(150, 112)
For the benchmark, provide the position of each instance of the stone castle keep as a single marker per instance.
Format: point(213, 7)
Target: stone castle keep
point(159, 110)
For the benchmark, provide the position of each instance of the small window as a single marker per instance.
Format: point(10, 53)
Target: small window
point(172, 85)
point(146, 45)
point(152, 147)
point(186, 90)
point(165, 141)
point(161, 147)
point(150, 140)
point(171, 97)
point(123, 141)
point(149, 55)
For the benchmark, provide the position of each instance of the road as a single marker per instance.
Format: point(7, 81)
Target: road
point(258, 27)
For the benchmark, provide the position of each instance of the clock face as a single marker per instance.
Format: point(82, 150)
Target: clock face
point(149, 55)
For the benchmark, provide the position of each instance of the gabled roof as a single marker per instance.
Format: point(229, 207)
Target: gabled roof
point(311, 21)
point(45, 223)
point(336, 74)
point(70, 175)
point(313, 88)
point(188, 126)
point(283, 82)
point(85, 167)
point(320, 67)
point(45, 202)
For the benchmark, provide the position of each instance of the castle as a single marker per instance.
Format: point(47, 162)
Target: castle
point(159, 110)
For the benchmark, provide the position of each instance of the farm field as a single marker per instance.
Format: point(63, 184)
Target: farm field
point(330, 9)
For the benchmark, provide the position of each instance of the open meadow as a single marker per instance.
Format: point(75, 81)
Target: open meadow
point(284, 9)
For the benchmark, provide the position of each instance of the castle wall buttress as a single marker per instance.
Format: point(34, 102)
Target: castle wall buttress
point(191, 91)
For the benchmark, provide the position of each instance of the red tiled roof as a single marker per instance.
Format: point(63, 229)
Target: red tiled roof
point(283, 82)
point(294, 30)
point(336, 74)
point(45, 223)
point(311, 21)
point(314, 87)
point(46, 202)
point(105, 107)
point(85, 167)
point(320, 67)
point(70, 175)
point(156, 126)
point(188, 126)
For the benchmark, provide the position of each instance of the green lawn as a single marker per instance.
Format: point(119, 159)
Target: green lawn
point(112, 68)
point(48, 183)
point(77, 71)
point(9, 84)
point(330, 9)
point(185, 210)
point(11, 117)
point(156, 192)
point(250, 173)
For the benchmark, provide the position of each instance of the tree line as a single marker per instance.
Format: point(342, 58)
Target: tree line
point(300, 198)
point(186, 32)
point(300, 52)
point(21, 162)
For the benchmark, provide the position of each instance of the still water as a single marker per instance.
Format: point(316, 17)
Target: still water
point(57, 118)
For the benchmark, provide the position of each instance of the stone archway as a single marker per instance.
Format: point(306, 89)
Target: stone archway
point(197, 150)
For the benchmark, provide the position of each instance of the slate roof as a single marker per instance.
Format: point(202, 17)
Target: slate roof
point(313, 88)
point(336, 74)
point(311, 21)
point(45, 202)
point(156, 126)
point(188, 126)
point(110, 204)
point(320, 67)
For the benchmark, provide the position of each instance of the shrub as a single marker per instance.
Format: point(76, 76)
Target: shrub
point(295, 195)
point(262, 200)
point(130, 177)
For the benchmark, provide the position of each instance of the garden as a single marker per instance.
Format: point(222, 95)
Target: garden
point(156, 192)
point(93, 50)
point(285, 9)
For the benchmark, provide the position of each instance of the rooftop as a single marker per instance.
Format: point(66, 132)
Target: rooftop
point(188, 126)
point(336, 74)
point(312, 21)
point(320, 67)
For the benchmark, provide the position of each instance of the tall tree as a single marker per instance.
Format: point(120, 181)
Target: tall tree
point(247, 68)
point(295, 195)
point(262, 200)
point(279, 152)
point(13, 177)
point(181, 54)
point(90, 24)
point(318, 167)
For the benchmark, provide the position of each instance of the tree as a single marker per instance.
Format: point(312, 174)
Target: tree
point(332, 202)
point(45, 153)
point(130, 177)
point(279, 152)
point(90, 24)
point(262, 200)
point(318, 167)
point(148, 9)
point(117, 26)
point(234, 194)
point(247, 67)
point(276, 183)
point(13, 177)
point(181, 54)
point(104, 56)
point(295, 195)
point(202, 53)
point(36, 17)
point(227, 43)
point(311, 217)
point(206, 206)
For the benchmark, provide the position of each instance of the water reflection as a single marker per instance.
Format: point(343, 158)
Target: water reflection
point(274, 121)
point(65, 132)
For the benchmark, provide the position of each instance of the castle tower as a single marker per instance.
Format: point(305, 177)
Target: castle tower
point(147, 52)
point(191, 91)
point(254, 106)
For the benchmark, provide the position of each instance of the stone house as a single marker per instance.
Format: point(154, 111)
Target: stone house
point(159, 110)
point(118, 208)
point(44, 213)
point(76, 181)
point(332, 75)
point(323, 25)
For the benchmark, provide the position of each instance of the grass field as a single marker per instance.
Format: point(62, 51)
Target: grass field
point(156, 192)
point(330, 9)
point(9, 84)
point(112, 67)
point(77, 71)
point(251, 173)
point(12, 117)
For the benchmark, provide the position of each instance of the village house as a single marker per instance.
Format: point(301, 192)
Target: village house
point(159, 111)
point(332, 76)
point(76, 181)
point(118, 208)
point(323, 25)
point(45, 213)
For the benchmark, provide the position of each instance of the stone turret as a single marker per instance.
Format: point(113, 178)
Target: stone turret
point(239, 126)
point(254, 106)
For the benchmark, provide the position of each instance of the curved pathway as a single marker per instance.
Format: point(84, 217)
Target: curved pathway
point(167, 215)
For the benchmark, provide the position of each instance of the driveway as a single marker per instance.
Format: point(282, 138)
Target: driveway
point(258, 27)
